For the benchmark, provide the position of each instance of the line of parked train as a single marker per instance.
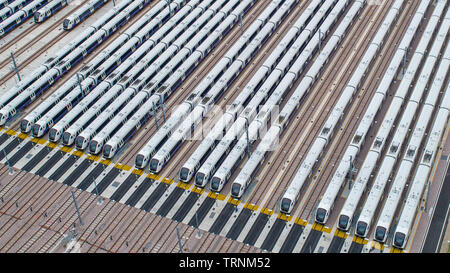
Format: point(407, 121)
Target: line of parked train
point(200, 91)
point(218, 167)
point(280, 122)
point(163, 144)
point(251, 96)
point(337, 182)
point(131, 41)
point(210, 26)
point(48, 10)
point(166, 62)
point(402, 129)
point(82, 13)
point(15, 17)
point(29, 89)
point(235, 59)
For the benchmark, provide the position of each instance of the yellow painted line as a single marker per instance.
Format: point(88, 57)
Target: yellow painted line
point(153, 176)
point(22, 136)
point(38, 140)
point(198, 190)
point(105, 161)
point(301, 222)
point(251, 207)
point(340, 233)
point(117, 166)
point(327, 229)
point(138, 172)
point(267, 211)
point(93, 157)
point(233, 201)
point(217, 196)
point(284, 217)
point(378, 246)
point(11, 132)
point(395, 250)
point(317, 226)
point(182, 185)
point(360, 240)
point(167, 181)
point(52, 145)
point(78, 153)
point(66, 149)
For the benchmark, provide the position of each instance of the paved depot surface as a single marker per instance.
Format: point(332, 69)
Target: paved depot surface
point(108, 227)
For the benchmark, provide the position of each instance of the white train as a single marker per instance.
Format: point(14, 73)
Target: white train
point(239, 55)
point(279, 82)
point(50, 9)
point(7, 8)
point(338, 179)
point(387, 214)
point(304, 172)
point(138, 84)
point(372, 158)
point(19, 13)
point(413, 199)
point(252, 165)
point(6, 3)
point(24, 97)
point(209, 42)
point(87, 9)
point(93, 73)
point(148, 35)
point(250, 92)
point(184, 69)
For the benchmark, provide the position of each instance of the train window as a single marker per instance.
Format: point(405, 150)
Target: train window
point(154, 164)
point(394, 148)
point(36, 129)
point(199, 178)
point(52, 134)
point(93, 146)
point(139, 160)
point(399, 239)
point(235, 189)
point(285, 204)
point(320, 215)
point(427, 156)
point(215, 182)
point(66, 138)
point(380, 233)
point(343, 221)
point(361, 228)
point(184, 173)
point(377, 143)
point(23, 125)
point(107, 150)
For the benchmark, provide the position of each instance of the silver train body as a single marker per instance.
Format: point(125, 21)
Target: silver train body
point(346, 215)
point(209, 42)
point(48, 10)
point(95, 72)
point(252, 165)
point(238, 56)
point(87, 9)
point(19, 98)
point(337, 182)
